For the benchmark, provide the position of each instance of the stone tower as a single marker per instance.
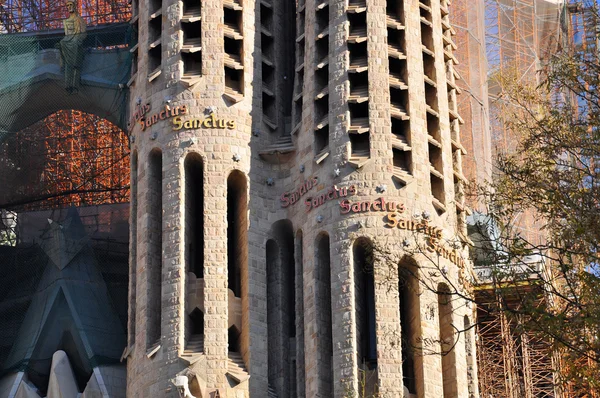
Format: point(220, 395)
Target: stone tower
point(298, 221)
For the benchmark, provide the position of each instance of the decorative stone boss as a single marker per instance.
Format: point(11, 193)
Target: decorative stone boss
point(71, 47)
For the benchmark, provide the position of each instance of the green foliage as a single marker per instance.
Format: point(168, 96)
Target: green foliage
point(544, 202)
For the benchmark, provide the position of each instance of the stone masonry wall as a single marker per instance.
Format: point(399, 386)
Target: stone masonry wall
point(323, 297)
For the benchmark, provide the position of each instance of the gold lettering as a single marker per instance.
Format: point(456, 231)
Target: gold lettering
point(392, 220)
point(231, 124)
point(402, 224)
point(189, 124)
point(431, 245)
point(177, 124)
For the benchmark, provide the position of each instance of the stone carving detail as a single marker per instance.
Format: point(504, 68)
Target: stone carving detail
point(181, 383)
point(71, 47)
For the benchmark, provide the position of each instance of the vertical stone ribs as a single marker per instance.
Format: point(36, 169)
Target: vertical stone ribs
point(155, 10)
point(233, 57)
point(133, 249)
point(400, 118)
point(154, 241)
point(458, 151)
point(279, 44)
point(358, 76)
point(299, 80)
point(269, 81)
point(321, 141)
point(134, 47)
point(191, 49)
point(434, 139)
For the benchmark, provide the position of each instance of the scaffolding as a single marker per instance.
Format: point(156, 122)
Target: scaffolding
point(468, 21)
point(70, 158)
point(512, 361)
point(520, 37)
point(42, 15)
point(496, 38)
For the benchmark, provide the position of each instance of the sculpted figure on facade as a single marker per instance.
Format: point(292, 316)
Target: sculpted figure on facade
point(71, 47)
point(182, 385)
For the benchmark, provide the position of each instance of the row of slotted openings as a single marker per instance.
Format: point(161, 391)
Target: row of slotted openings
point(191, 28)
point(426, 24)
point(322, 127)
point(298, 99)
point(400, 124)
point(299, 82)
point(135, 28)
point(282, 300)
point(459, 190)
point(396, 43)
point(155, 6)
point(268, 67)
point(395, 10)
point(234, 63)
point(153, 237)
point(154, 44)
point(401, 146)
point(431, 101)
point(322, 23)
point(425, 11)
point(194, 248)
point(358, 104)
point(321, 139)
point(135, 8)
point(194, 245)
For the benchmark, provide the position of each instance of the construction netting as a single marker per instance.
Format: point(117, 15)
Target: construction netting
point(43, 72)
point(63, 104)
point(99, 252)
point(64, 186)
point(40, 15)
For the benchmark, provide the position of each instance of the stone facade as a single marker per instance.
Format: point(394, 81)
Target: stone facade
point(274, 298)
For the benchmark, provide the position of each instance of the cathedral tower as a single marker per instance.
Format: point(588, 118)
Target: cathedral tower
point(298, 220)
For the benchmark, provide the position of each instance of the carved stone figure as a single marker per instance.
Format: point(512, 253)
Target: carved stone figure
point(71, 47)
point(181, 383)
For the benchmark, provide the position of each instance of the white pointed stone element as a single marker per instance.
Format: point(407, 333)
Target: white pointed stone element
point(92, 390)
point(62, 380)
point(26, 390)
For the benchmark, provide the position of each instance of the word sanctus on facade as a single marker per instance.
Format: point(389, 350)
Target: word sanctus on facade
point(297, 212)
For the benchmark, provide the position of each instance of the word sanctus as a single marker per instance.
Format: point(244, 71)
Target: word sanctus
point(331, 194)
point(435, 246)
point(209, 122)
point(367, 206)
point(394, 221)
point(289, 198)
point(434, 236)
point(140, 112)
point(166, 113)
